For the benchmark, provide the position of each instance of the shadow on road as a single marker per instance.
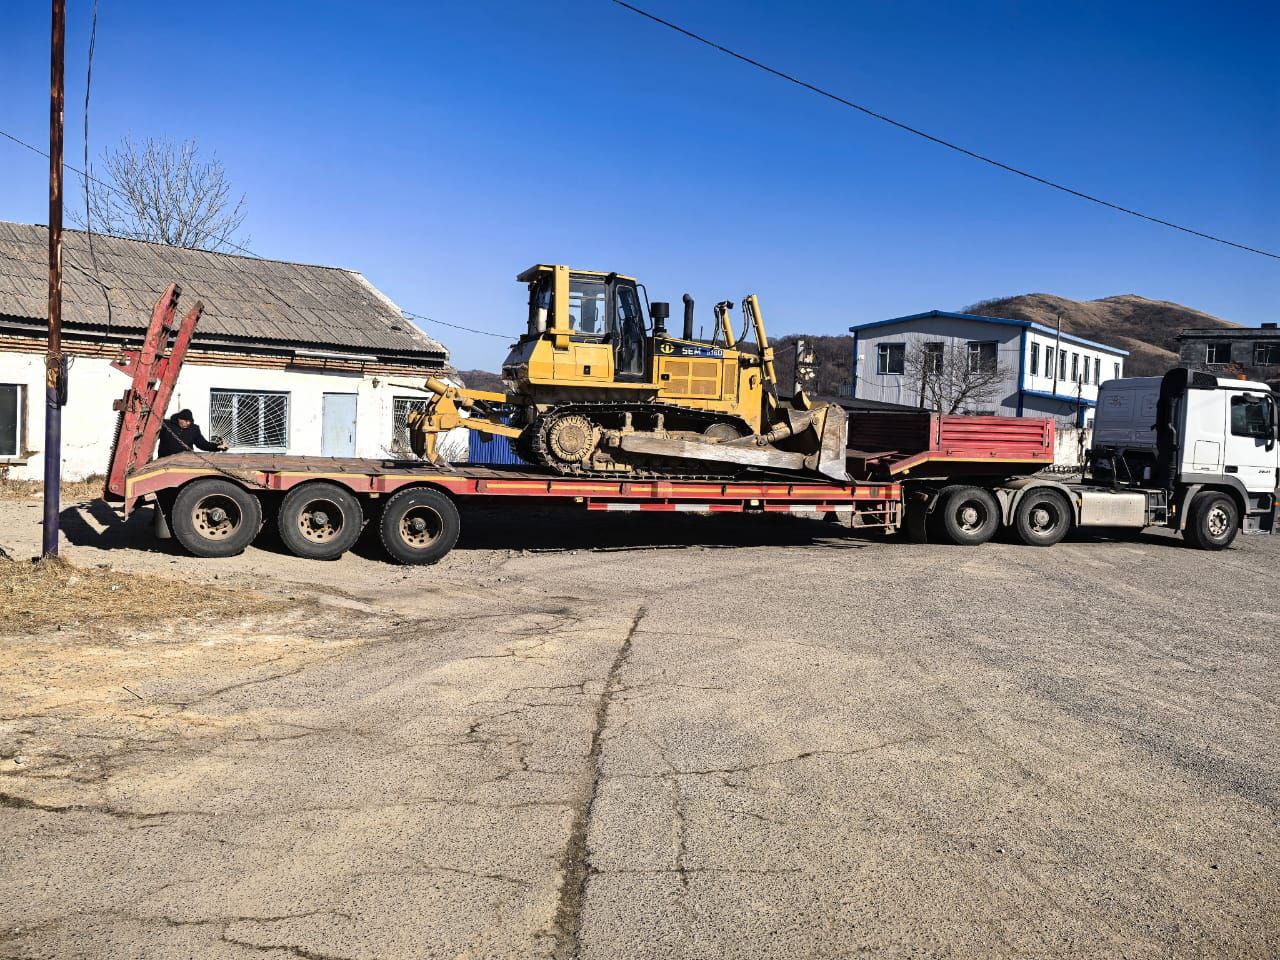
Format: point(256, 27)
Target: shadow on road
point(112, 532)
point(552, 529)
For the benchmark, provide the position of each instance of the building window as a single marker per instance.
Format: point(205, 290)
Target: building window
point(982, 357)
point(1219, 352)
point(1048, 361)
point(257, 419)
point(11, 419)
point(933, 357)
point(1097, 370)
point(401, 408)
point(1266, 354)
point(1117, 375)
point(1035, 359)
point(1062, 364)
point(1075, 366)
point(891, 358)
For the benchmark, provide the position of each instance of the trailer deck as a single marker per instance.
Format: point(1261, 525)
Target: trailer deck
point(375, 478)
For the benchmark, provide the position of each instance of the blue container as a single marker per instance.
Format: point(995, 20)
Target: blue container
point(486, 450)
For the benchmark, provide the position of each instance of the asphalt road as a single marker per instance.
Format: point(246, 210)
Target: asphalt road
point(750, 740)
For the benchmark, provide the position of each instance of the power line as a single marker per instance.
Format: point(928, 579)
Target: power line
point(930, 137)
point(445, 323)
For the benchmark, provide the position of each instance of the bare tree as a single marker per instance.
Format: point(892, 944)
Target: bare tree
point(164, 192)
point(952, 376)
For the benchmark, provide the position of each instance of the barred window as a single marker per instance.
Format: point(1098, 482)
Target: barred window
point(1217, 352)
point(401, 408)
point(257, 419)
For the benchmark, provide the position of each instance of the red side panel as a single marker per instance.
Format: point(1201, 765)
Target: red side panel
point(1009, 438)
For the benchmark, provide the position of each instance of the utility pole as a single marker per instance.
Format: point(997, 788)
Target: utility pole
point(1057, 354)
point(55, 370)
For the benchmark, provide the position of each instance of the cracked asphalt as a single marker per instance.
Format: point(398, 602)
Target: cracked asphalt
point(620, 737)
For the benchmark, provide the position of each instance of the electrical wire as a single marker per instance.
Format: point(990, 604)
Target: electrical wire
point(455, 326)
point(1008, 168)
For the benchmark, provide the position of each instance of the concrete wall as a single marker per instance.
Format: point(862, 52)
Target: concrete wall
point(88, 422)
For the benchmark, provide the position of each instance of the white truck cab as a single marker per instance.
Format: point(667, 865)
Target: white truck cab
point(1210, 445)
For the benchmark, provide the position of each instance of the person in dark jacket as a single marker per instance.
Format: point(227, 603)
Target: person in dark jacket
point(180, 434)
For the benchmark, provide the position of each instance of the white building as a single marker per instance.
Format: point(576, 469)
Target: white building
point(287, 357)
point(1040, 373)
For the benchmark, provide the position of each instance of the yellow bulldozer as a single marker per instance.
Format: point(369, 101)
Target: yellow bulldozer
point(594, 390)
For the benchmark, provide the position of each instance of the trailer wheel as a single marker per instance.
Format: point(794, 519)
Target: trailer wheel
point(419, 525)
point(215, 518)
point(1213, 523)
point(1042, 519)
point(319, 521)
point(969, 516)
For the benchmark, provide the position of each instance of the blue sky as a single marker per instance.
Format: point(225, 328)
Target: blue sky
point(440, 148)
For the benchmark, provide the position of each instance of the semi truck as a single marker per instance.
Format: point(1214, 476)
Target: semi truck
point(1188, 452)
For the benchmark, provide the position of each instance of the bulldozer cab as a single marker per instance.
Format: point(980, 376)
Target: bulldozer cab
point(601, 312)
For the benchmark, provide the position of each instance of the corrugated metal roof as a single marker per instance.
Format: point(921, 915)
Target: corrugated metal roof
point(264, 302)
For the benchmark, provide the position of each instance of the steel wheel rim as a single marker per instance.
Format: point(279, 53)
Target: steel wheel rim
point(216, 517)
point(1217, 522)
point(420, 527)
point(320, 520)
point(971, 516)
point(1043, 518)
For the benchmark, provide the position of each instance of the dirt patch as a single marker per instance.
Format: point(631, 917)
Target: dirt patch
point(54, 594)
point(71, 490)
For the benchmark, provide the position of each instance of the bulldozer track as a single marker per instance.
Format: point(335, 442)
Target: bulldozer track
point(597, 411)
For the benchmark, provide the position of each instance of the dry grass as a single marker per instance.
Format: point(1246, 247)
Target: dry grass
point(53, 594)
point(74, 490)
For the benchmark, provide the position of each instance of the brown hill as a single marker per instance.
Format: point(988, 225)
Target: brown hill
point(482, 380)
point(1148, 329)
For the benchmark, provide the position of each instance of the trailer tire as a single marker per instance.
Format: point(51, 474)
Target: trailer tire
point(215, 518)
point(1042, 519)
point(419, 525)
point(969, 516)
point(319, 521)
point(1214, 521)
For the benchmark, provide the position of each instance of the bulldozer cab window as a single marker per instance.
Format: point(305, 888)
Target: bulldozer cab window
point(588, 306)
point(629, 352)
point(541, 294)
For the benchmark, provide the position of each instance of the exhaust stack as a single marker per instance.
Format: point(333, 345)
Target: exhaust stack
point(688, 317)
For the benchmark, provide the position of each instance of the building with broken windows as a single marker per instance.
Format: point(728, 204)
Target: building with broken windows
point(287, 358)
point(1251, 352)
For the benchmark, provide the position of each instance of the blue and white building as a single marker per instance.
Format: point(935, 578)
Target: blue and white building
point(1042, 373)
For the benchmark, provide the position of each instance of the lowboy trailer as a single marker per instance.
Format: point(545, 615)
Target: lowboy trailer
point(957, 478)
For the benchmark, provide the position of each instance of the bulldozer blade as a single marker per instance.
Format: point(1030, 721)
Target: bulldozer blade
point(833, 442)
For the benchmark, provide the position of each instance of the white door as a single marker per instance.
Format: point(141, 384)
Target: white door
point(338, 431)
point(1251, 450)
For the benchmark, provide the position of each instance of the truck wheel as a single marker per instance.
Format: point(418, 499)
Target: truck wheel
point(970, 516)
point(215, 518)
point(1042, 519)
point(1214, 521)
point(319, 521)
point(419, 525)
